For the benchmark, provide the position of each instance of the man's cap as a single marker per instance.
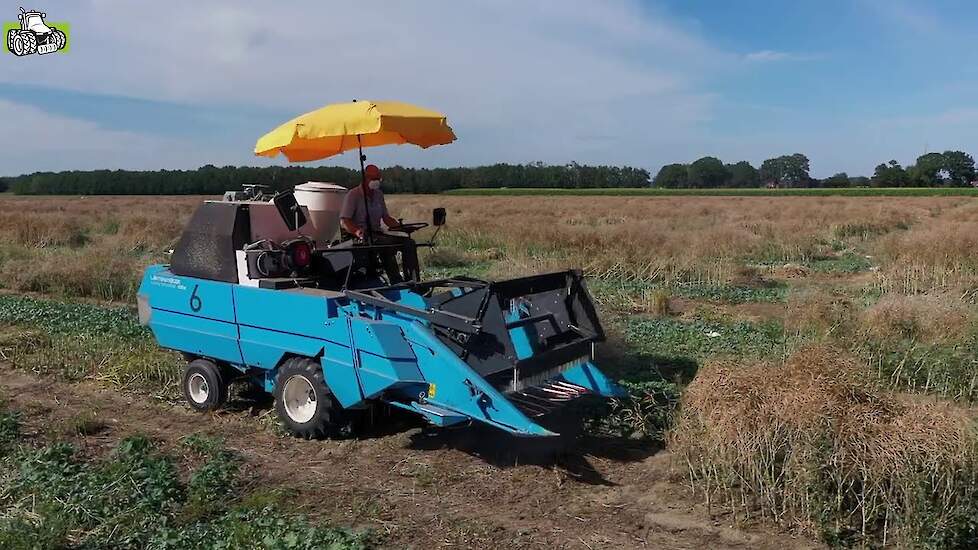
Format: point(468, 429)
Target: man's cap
point(372, 172)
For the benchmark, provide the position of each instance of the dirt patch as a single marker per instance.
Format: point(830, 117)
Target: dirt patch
point(419, 489)
point(791, 271)
point(754, 312)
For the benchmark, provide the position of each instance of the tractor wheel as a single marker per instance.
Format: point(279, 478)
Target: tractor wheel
point(10, 40)
point(204, 385)
point(304, 403)
point(19, 46)
point(29, 41)
point(59, 38)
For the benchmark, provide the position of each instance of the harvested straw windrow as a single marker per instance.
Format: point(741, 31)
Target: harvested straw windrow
point(815, 445)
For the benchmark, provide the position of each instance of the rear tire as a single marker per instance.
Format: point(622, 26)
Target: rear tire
point(10, 40)
point(304, 404)
point(204, 385)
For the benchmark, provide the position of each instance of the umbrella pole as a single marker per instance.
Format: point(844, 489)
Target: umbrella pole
point(363, 190)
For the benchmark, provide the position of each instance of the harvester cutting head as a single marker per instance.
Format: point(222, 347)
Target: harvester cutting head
point(327, 322)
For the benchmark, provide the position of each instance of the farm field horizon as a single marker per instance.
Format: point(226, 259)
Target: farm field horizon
point(837, 332)
point(726, 192)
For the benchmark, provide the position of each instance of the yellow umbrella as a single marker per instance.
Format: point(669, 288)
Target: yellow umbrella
point(333, 129)
point(341, 127)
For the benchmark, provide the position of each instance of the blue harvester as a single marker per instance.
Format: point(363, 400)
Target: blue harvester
point(249, 296)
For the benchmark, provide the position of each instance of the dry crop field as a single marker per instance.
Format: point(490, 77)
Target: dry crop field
point(802, 372)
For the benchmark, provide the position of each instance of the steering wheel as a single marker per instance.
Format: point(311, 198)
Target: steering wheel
point(409, 227)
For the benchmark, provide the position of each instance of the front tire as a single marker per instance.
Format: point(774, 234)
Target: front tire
point(10, 40)
point(60, 39)
point(304, 404)
point(18, 46)
point(204, 385)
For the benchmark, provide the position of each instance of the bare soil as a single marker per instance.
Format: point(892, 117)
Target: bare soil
point(419, 488)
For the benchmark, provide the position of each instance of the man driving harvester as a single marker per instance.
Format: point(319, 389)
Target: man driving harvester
point(363, 211)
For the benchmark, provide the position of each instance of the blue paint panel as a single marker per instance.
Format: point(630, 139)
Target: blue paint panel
point(340, 374)
point(198, 297)
point(285, 311)
point(265, 348)
point(589, 376)
point(521, 336)
point(381, 338)
point(461, 389)
point(385, 359)
point(380, 373)
point(405, 297)
point(206, 337)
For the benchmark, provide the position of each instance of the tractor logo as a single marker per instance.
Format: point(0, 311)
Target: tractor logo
point(31, 34)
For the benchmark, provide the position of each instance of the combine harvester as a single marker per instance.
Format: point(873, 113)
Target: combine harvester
point(259, 288)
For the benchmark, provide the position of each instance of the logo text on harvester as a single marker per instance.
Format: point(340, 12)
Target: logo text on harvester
point(33, 34)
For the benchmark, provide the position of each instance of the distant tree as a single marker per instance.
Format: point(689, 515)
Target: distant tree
point(859, 181)
point(890, 175)
point(838, 180)
point(929, 170)
point(743, 175)
point(959, 167)
point(672, 176)
point(708, 172)
point(212, 180)
point(786, 170)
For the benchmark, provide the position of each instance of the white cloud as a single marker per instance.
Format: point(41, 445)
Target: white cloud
point(46, 142)
point(768, 56)
point(525, 80)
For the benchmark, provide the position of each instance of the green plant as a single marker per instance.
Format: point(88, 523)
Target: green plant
point(214, 480)
point(646, 412)
point(202, 444)
point(845, 263)
point(84, 340)
point(9, 431)
point(700, 338)
point(266, 529)
point(53, 498)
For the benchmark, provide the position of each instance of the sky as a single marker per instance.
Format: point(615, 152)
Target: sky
point(180, 84)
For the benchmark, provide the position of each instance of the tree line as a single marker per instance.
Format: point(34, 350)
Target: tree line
point(947, 169)
point(213, 180)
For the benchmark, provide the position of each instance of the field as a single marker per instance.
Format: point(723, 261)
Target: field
point(719, 192)
point(802, 372)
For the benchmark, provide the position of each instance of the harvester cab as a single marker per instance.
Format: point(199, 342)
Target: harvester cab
point(34, 35)
point(262, 290)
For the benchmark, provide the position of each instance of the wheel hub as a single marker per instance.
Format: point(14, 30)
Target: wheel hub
point(198, 388)
point(299, 399)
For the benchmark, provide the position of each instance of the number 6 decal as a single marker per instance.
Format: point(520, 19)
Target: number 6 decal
point(195, 303)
